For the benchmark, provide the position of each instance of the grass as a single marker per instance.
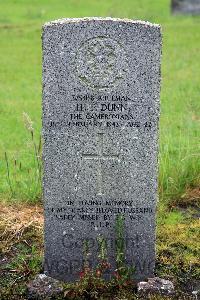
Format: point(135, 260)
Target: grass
point(20, 85)
point(25, 183)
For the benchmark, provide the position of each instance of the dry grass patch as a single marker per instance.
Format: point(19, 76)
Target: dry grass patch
point(17, 220)
point(191, 197)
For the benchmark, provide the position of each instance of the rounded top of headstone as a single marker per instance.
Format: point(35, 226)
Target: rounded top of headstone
point(90, 19)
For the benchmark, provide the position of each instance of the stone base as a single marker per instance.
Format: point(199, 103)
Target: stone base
point(43, 288)
point(156, 285)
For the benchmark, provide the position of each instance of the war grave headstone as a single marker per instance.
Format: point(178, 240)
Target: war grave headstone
point(101, 86)
point(186, 6)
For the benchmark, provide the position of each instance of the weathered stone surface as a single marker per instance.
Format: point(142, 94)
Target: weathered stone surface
point(186, 6)
point(101, 84)
point(156, 285)
point(43, 288)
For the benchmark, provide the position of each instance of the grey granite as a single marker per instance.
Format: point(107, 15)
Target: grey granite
point(156, 285)
point(186, 7)
point(43, 287)
point(101, 86)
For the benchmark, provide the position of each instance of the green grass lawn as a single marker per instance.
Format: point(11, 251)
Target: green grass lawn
point(20, 87)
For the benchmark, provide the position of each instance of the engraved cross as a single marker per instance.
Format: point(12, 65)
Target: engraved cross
point(100, 156)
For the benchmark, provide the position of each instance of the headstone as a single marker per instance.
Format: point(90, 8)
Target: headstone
point(186, 7)
point(101, 85)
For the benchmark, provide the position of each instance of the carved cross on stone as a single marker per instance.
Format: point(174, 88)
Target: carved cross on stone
point(100, 156)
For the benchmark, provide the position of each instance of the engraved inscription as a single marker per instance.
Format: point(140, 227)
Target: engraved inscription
point(99, 157)
point(101, 63)
point(111, 111)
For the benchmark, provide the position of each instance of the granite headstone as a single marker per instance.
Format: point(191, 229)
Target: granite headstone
point(101, 85)
point(186, 7)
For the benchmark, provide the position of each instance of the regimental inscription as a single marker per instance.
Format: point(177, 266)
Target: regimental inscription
point(100, 156)
point(101, 63)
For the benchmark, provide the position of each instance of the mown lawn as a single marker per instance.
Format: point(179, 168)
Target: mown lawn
point(20, 86)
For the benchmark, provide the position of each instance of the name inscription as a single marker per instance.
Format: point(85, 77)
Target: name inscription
point(102, 111)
